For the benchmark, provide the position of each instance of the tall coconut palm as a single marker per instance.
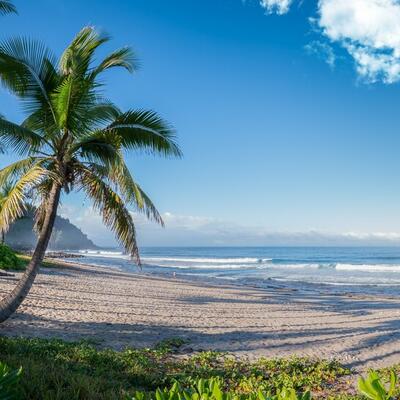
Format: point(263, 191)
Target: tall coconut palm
point(73, 139)
point(7, 7)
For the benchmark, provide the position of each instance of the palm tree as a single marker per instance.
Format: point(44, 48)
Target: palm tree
point(7, 7)
point(73, 139)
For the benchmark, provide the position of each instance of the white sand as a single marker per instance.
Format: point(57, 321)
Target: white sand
point(121, 309)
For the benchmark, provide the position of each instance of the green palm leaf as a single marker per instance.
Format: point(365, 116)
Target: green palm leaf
point(7, 7)
point(113, 211)
point(122, 58)
point(27, 68)
point(145, 130)
point(21, 139)
point(14, 205)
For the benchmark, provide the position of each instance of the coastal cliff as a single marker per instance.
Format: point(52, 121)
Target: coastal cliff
point(65, 236)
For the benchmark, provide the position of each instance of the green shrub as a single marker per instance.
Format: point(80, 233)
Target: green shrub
point(8, 382)
point(373, 387)
point(212, 389)
point(8, 259)
point(58, 370)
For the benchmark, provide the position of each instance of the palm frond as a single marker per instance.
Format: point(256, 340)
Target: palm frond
point(95, 148)
point(118, 175)
point(42, 122)
point(112, 209)
point(21, 139)
point(143, 129)
point(78, 55)
point(14, 205)
point(100, 113)
point(7, 7)
point(122, 58)
point(27, 69)
point(17, 169)
point(133, 193)
point(79, 107)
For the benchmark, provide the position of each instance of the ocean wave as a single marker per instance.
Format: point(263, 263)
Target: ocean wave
point(205, 266)
point(232, 260)
point(104, 254)
point(342, 267)
point(368, 267)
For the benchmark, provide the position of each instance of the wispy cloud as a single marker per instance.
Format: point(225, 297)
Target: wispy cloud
point(323, 51)
point(369, 30)
point(276, 6)
point(189, 230)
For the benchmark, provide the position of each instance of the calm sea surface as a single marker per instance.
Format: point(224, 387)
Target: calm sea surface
point(354, 269)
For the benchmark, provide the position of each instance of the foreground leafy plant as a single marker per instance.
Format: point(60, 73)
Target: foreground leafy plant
point(373, 388)
point(8, 381)
point(212, 389)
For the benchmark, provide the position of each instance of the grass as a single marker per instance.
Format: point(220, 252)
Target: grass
point(12, 261)
point(58, 370)
point(47, 263)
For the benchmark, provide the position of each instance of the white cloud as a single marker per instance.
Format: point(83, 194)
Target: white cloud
point(369, 30)
point(188, 230)
point(276, 6)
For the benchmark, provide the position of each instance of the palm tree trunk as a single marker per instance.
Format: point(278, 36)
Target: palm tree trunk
point(10, 303)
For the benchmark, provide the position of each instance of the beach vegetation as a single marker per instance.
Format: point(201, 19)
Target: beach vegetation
point(73, 139)
point(9, 379)
point(55, 369)
point(212, 389)
point(9, 260)
point(374, 388)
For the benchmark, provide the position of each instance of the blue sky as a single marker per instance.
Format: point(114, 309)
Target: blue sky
point(287, 113)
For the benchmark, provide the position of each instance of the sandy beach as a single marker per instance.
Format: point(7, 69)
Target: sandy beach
point(120, 309)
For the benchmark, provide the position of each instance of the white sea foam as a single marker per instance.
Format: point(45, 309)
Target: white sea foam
point(206, 266)
point(368, 267)
point(231, 260)
point(104, 254)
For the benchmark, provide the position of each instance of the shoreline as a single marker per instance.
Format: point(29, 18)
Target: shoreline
point(126, 309)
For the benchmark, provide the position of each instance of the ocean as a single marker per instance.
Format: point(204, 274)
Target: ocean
point(333, 269)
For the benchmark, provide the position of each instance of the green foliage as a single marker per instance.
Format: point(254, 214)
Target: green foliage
point(8, 381)
point(212, 389)
point(269, 375)
point(373, 387)
point(61, 370)
point(58, 370)
point(7, 7)
point(8, 259)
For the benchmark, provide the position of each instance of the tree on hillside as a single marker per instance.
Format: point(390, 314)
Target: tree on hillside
point(73, 139)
